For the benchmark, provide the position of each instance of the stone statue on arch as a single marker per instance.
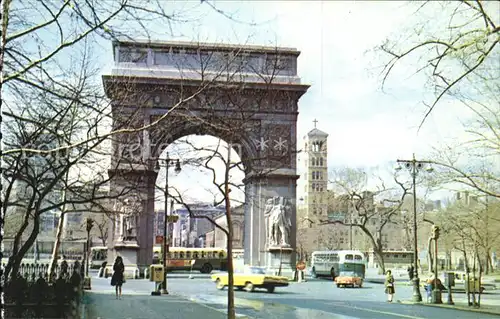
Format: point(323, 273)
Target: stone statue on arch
point(277, 214)
point(126, 224)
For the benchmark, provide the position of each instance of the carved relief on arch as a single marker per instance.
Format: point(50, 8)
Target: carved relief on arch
point(275, 145)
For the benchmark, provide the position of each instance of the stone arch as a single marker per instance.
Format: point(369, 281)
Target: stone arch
point(242, 144)
point(253, 110)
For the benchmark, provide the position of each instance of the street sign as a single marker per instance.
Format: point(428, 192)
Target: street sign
point(336, 216)
point(301, 265)
point(159, 239)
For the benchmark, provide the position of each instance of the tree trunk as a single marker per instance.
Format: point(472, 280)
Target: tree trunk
point(430, 259)
point(488, 264)
point(16, 261)
point(380, 257)
point(479, 279)
point(231, 313)
point(474, 280)
point(467, 276)
point(60, 229)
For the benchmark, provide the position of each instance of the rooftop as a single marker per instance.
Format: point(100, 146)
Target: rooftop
point(316, 132)
point(205, 46)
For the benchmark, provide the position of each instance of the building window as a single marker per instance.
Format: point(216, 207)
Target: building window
point(321, 161)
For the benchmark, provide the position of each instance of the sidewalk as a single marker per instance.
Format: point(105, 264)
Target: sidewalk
point(491, 307)
point(104, 305)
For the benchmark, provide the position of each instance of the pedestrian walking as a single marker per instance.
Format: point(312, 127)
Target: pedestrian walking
point(411, 272)
point(389, 286)
point(117, 279)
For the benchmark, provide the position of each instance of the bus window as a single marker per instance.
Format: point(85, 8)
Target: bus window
point(358, 257)
point(188, 255)
point(348, 257)
point(221, 255)
point(181, 255)
point(195, 255)
point(176, 255)
point(203, 254)
point(169, 255)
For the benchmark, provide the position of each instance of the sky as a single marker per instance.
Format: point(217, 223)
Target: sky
point(367, 126)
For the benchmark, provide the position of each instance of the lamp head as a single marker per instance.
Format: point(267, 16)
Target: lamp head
point(177, 166)
point(398, 168)
point(429, 169)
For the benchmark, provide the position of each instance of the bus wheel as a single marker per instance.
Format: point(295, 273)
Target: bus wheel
point(206, 268)
point(270, 289)
point(219, 285)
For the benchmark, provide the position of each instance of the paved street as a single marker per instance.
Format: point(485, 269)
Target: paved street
point(192, 298)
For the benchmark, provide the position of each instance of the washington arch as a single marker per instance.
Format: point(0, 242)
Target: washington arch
point(245, 95)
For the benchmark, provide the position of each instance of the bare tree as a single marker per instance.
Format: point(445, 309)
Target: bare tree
point(102, 227)
point(460, 48)
point(39, 38)
point(472, 163)
point(369, 211)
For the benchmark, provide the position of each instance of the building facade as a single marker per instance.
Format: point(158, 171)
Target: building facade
point(313, 183)
point(218, 238)
point(189, 231)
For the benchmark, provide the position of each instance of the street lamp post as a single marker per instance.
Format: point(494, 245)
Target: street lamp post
point(89, 226)
point(414, 167)
point(166, 163)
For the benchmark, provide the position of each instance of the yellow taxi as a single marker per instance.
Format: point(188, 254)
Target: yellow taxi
point(249, 278)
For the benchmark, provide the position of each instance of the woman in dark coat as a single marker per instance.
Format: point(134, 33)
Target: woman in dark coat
point(389, 286)
point(117, 278)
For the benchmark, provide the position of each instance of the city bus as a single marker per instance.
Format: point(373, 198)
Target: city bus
point(351, 269)
point(331, 263)
point(324, 263)
point(98, 255)
point(206, 259)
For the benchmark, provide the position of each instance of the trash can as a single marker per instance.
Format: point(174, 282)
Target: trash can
point(473, 285)
point(156, 273)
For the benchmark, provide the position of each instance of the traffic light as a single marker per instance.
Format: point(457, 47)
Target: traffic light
point(435, 231)
point(90, 224)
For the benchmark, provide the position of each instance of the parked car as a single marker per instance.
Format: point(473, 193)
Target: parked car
point(250, 278)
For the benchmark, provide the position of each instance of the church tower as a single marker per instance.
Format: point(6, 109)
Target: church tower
point(312, 192)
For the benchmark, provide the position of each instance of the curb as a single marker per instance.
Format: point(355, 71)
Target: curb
point(446, 306)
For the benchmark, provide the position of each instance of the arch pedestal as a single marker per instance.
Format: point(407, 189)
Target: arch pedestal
point(258, 250)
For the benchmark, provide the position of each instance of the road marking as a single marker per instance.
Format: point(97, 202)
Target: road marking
point(224, 311)
point(382, 312)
